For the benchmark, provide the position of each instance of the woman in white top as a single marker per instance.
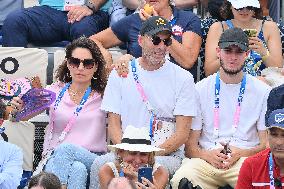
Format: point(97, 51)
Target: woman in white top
point(134, 151)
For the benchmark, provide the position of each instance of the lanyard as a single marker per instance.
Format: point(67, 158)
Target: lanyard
point(217, 105)
point(270, 172)
point(144, 98)
point(173, 21)
point(71, 122)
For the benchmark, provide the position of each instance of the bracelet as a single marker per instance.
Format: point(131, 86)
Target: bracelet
point(265, 57)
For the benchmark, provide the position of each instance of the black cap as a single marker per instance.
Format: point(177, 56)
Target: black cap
point(234, 36)
point(154, 25)
point(275, 101)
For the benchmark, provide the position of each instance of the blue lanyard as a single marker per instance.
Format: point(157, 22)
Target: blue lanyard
point(82, 102)
point(217, 104)
point(270, 172)
point(145, 99)
point(270, 166)
point(173, 21)
point(76, 112)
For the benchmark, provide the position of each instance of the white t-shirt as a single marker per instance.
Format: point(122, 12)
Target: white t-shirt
point(170, 90)
point(252, 113)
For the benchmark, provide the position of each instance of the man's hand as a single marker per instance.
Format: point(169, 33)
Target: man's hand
point(76, 13)
point(216, 158)
point(235, 156)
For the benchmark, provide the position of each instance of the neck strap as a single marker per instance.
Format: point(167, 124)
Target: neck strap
point(217, 105)
point(144, 98)
point(71, 122)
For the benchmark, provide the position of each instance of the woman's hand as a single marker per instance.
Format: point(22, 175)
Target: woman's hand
point(146, 184)
point(121, 65)
point(144, 15)
point(257, 45)
point(16, 105)
point(129, 171)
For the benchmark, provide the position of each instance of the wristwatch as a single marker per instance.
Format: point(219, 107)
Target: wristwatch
point(91, 5)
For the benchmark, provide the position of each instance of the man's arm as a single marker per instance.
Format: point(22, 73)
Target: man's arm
point(98, 3)
point(12, 169)
point(107, 38)
point(114, 128)
point(193, 150)
point(183, 124)
point(76, 13)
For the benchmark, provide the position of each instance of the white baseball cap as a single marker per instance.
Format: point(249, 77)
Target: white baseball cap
point(238, 4)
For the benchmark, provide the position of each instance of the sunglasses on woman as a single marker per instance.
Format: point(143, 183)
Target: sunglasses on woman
point(156, 40)
point(75, 62)
point(248, 8)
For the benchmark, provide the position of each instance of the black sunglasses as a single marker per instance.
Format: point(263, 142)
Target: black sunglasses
point(156, 40)
point(75, 62)
point(248, 8)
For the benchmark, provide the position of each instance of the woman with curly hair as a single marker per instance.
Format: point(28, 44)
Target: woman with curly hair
point(265, 44)
point(76, 133)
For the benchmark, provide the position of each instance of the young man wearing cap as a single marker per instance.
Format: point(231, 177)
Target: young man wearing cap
point(266, 169)
point(11, 159)
point(157, 94)
point(232, 106)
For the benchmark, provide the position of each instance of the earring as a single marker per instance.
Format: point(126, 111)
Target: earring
point(68, 75)
point(94, 78)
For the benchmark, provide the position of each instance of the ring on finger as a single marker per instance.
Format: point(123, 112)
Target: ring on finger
point(123, 64)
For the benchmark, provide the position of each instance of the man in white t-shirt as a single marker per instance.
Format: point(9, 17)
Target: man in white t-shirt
point(167, 90)
point(232, 109)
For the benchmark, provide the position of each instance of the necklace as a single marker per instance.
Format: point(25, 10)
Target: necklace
point(74, 93)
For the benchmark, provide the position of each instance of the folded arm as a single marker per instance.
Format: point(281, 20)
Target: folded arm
point(183, 124)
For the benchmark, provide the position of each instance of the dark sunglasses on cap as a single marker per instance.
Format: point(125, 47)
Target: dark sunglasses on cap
point(75, 62)
point(156, 40)
point(248, 8)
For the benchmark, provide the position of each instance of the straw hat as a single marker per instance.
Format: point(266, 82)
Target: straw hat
point(135, 139)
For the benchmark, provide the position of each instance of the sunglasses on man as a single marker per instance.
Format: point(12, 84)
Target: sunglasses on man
point(75, 62)
point(248, 8)
point(156, 40)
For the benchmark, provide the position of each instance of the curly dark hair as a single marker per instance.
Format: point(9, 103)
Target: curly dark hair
point(63, 73)
point(227, 14)
point(46, 180)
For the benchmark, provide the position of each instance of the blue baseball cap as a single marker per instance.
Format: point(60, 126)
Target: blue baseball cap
point(276, 119)
point(275, 101)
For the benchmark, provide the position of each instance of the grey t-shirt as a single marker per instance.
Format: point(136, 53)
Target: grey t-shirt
point(7, 6)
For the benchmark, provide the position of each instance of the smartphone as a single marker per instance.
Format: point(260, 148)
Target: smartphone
point(145, 172)
point(250, 32)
